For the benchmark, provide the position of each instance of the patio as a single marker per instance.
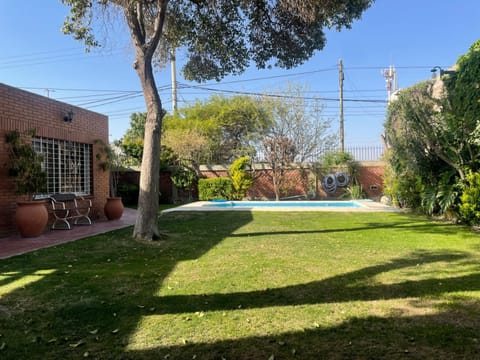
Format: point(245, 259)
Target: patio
point(16, 245)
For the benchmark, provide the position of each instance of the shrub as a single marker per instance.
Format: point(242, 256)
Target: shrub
point(220, 188)
point(442, 197)
point(405, 189)
point(336, 158)
point(470, 199)
point(184, 178)
point(241, 180)
point(129, 193)
point(355, 192)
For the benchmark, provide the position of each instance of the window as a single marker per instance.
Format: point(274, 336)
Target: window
point(68, 165)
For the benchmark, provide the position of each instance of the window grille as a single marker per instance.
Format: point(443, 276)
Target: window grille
point(68, 165)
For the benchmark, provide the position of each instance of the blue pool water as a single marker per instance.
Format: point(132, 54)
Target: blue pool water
point(282, 204)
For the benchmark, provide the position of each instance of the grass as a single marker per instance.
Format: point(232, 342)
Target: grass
point(250, 286)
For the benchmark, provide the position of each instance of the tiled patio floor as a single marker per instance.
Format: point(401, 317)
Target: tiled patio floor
point(17, 245)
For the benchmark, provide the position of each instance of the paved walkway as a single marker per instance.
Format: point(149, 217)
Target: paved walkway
point(16, 245)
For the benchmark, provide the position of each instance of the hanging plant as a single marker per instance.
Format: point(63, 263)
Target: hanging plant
point(108, 159)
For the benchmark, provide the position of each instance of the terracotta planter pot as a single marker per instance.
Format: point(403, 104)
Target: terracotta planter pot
point(31, 217)
point(113, 208)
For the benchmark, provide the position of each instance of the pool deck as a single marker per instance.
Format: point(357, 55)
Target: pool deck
point(365, 206)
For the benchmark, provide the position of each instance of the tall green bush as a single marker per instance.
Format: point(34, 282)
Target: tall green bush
point(242, 180)
point(470, 200)
point(432, 131)
point(220, 188)
point(403, 185)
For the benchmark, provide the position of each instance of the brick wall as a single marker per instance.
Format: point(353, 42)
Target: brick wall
point(21, 110)
point(301, 181)
point(371, 178)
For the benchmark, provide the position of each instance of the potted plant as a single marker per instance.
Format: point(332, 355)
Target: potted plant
point(109, 160)
point(25, 166)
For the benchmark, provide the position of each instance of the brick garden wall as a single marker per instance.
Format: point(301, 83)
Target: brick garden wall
point(21, 110)
point(371, 178)
point(301, 181)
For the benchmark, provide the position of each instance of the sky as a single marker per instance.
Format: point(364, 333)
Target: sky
point(411, 35)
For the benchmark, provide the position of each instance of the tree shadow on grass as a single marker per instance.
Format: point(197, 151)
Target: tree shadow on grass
point(449, 334)
point(440, 228)
point(102, 287)
point(99, 287)
point(447, 330)
point(354, 286)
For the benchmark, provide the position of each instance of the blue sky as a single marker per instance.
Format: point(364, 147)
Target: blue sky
point(413, 36)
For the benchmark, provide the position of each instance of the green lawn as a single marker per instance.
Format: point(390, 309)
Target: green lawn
point(245, 285)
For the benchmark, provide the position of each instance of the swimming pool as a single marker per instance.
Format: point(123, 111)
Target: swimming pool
point(280, 204)
point(356, 205)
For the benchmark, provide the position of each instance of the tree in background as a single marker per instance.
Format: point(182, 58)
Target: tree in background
point(433, 138)
point(188, 145)
point(421, 146)
point(297, 133)
point(219, 37)
point(279, 152)
point(132, 142)
point(231, 125)
point(300, 120)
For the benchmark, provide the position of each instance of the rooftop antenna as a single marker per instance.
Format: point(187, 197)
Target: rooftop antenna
point(48, 91)
point(390, 76)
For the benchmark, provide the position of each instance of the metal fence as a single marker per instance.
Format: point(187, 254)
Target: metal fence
point(359, 153)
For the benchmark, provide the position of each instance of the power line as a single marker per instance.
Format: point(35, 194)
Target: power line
point(279, 95)
point(82, 89)
point(109, 100)
point(30, 55)
point(273, 77)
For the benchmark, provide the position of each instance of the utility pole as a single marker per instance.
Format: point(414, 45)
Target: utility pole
point(342, 130)
point(174, 80)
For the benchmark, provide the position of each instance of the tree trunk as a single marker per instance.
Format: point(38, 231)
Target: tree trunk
point(276, 184)
point(146, 226)
point(145, 43)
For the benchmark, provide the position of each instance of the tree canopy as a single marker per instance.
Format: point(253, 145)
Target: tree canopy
point(296, 133)
point(231, 125)
point(300, 121)
point(132, 142)
point(219, 37)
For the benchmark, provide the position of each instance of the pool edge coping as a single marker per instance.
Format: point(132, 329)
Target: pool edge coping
point(366, 206)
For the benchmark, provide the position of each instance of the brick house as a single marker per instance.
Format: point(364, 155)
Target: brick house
point(66, 136)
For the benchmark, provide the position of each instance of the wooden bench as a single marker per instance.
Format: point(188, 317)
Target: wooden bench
point(67, 207)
